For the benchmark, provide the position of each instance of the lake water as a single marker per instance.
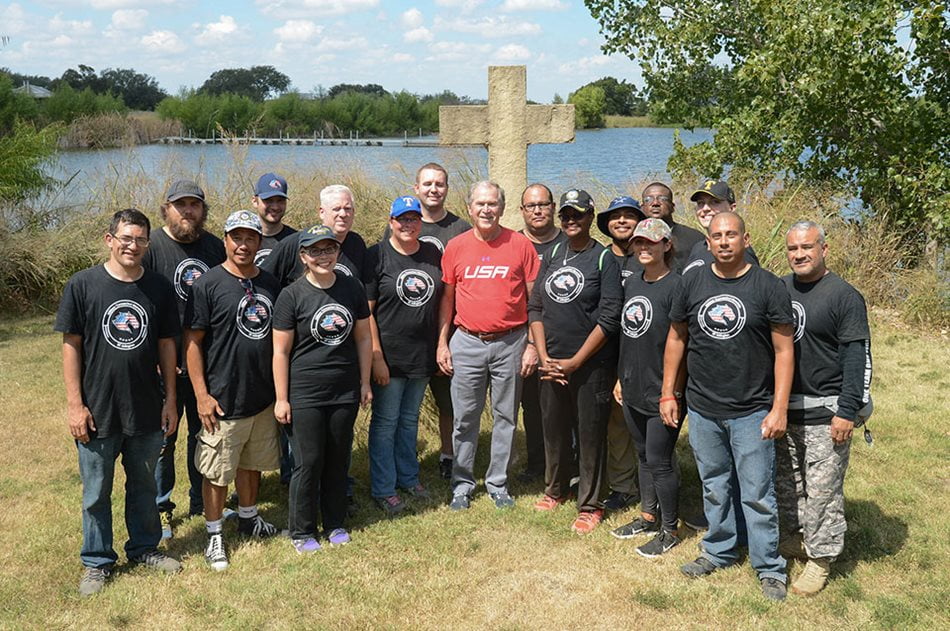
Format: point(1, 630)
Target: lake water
point(613, 158)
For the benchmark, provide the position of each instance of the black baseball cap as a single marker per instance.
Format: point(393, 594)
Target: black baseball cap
point(184, 188)
point(717, 188)
point(578, 199)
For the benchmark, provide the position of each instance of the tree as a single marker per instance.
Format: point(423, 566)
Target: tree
point(19, 79)
point(620, 98)
point(257, 82)
point(588, 107)
point(827, 95)
point(370, 88)
point(138, 91)
point(80, 79)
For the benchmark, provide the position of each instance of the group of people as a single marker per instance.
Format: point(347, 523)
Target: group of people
point(270, 340)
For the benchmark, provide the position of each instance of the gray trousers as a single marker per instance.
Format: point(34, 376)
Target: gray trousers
point(478, 365)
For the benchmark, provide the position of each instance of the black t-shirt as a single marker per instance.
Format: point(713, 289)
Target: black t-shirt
point(730, 357)
point(684, 240)
point(324, 365)
point(285, 264)
point(237, 346)
point(828, 313)
point(574, 292)
point(700, 255)
point(269, 243)
point(644, 326)
point(407, 290)
point(183, 264)
point(543, 248)
point(438, 232)
point(120, 324)
point(627, 264)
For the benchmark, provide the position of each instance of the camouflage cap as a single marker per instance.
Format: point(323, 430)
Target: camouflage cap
point(653, 229)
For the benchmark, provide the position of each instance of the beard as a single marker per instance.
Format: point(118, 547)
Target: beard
point(186, 231)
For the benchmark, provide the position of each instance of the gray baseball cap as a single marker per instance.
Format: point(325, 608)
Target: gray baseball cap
point(243, 219)
point(184, 188)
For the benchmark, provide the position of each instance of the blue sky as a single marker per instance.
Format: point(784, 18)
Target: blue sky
point(424, 46)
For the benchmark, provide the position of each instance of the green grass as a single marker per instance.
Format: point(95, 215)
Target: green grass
point(482, 569)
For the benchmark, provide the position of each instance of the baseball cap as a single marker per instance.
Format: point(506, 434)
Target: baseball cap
point(578, 199)
point(624, 201)
point(403, 205)
point(315, 234)
point(243, 219)
point(184, 188)
point(653, 229)
point(270, 185)
point(717, 188)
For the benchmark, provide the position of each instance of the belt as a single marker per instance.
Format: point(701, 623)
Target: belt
point(488, 336)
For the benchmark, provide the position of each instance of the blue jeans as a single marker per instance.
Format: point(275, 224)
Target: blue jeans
point(393, 431)
point(97, 469)
point(165, 471)
point(718, 445)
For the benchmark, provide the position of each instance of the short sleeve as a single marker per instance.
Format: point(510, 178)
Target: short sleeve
point(197, 309)
point(530, 258)
point(169, 324)
point(361, 308)
point(535, 300)
point(679, 307)
point(611, 294)
point(285, 311)
point(852, 316)
point(448, 263)
point(780, 303)
point(70, 315)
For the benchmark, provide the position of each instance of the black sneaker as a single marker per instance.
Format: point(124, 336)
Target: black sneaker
point(700, 567)
point(658, 545)
point(215, 554)
point(773, 589)
point(638, 526)
point(256, 527)
point(445, 468)
point(617, 500)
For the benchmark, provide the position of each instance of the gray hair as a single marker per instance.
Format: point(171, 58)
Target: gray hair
point(481, 184)
point(807, 224)
point(334, 190)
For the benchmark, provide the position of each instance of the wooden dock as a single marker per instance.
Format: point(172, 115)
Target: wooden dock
point(314, 141)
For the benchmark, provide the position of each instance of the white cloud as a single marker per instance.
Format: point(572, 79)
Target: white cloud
point(225, 27)
point(297, 30)
point(62, 41)
point(129, 19)
point(513, 52)
point(456, 51)
point(533, 5)
point(310, 8)
point(343, 43)
point(57, 24)
point(14, 19)
point(489, 27)
point(421, 34)
point(465, 6)
point(162, 41)
point(584, 64)
point(412, 18)
point(402, 58)
point(129, 4)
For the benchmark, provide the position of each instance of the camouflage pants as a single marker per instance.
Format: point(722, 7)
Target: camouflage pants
point(809, 486)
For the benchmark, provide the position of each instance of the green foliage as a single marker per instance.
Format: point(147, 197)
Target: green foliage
point(621, 98)
point(827, 95)
point(67, 104)
point(23, 153)
point(138, 91)
point(202, 114)
point(256, 83)
point(589, 103)
point(370, 88)
point(13, 106)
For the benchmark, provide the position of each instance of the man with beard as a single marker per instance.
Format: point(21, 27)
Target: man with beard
point(270, 202)
point(657, 202)
point(182, 251)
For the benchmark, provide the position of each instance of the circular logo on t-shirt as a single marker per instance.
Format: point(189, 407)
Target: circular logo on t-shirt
point(694, 265)
point(187, 272)
point(253, 317)
point(261, 255)
point(722, 317)
point(414, 287)
point(798, 313)
point(637, 316)
point(125, 325)
point(565, 284)
point(340, 267)
point(434, 241)
point(331, 324)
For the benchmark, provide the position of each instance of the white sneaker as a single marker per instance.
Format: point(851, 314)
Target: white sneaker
point(215, 554)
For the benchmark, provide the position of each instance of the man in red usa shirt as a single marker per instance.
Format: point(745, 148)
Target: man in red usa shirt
point(488, 274)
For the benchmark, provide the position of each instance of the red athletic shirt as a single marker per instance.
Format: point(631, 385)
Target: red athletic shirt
point(490, 279)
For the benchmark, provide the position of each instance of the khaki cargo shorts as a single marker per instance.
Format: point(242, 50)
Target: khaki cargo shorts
point(245, 443)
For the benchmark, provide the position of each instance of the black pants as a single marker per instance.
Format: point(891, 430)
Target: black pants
point(659, 480)
point(533, 429)
point(320, 439)
point(581, 407)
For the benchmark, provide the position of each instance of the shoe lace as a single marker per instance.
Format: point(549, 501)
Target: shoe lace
point(216, 546)
point(262, 527)
point(97, 573)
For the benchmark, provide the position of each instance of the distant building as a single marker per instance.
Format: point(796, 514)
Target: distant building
point(33, 90)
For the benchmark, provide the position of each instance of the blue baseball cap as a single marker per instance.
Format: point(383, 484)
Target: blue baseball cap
point(270, 185)
point(403, 205)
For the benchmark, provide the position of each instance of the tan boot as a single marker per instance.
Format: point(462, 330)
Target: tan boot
point(813, 579)
point(793, 547)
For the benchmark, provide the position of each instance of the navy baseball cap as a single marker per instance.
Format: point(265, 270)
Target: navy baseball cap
point(315, 234)
point(403, 205)
point(270, 185)
point(624, 201)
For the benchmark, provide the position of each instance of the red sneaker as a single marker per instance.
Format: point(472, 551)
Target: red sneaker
point(587, 521)
point(549, 503)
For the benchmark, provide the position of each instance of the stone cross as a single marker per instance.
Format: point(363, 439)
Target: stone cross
point(507, 125)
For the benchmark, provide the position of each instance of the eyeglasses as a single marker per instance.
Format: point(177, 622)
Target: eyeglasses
point(408, 219)
point(313, 252)
point(248, 287)
point(537, 206)
point(660, 198)
point(127, 241)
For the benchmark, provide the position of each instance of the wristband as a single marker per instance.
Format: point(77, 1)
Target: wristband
point(664, 399)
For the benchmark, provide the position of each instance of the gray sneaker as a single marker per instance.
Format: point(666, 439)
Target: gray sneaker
point(155, 560)
point(773, 589)
point(699, 567)
point(93, 580)
point(502, 499)
point(460, 502)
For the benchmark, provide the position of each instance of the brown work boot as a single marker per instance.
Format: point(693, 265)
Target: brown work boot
point(793, 547)
point(813, 579)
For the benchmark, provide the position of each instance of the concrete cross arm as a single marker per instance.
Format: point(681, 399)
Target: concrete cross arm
point(463, 125)
point(550, 123)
